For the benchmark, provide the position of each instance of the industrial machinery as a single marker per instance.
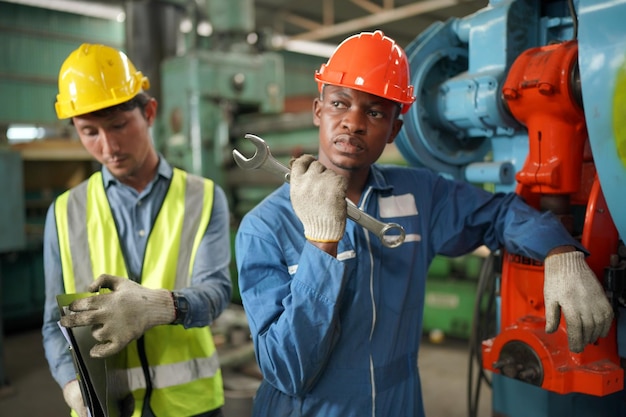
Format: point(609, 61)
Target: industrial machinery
point(12, 220)
point(207, 88)
point(449, 300)
point(530, 96)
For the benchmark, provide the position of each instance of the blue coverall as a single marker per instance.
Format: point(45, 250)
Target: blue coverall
point(339, 337)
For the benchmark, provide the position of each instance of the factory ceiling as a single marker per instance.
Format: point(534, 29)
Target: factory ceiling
point(330, 21)
point(320, 21)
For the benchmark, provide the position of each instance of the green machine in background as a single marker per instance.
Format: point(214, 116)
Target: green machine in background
point(207, 89)
point(451, 291)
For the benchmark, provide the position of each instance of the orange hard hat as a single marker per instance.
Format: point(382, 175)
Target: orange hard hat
point(94, 77)
point(370, 62)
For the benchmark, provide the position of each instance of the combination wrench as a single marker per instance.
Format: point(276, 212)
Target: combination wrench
point(391, 234)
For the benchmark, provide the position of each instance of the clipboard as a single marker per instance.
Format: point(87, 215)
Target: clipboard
point(103, 382)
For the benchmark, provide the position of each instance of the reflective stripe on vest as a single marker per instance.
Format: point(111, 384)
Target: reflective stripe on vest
point(172, 375)
point(176, 356)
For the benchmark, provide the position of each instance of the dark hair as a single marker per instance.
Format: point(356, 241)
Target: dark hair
point(139, 101)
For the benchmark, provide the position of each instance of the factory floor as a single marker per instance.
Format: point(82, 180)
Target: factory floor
point(33, 393)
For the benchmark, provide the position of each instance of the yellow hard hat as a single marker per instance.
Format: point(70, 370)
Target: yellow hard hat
point(95, 77)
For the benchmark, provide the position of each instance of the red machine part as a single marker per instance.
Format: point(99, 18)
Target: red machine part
point(540, 92)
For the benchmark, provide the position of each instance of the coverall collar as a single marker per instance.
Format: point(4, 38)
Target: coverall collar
point(377, 181)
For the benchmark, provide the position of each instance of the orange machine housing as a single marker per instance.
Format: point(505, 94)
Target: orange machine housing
point(559, 173)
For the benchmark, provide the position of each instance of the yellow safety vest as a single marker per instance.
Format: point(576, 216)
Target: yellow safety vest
point(185, 375)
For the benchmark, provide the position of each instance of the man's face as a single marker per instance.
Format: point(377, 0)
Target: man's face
point(354, 127)
point(120, 141)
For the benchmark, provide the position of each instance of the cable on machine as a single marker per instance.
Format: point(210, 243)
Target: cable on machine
point(483, 327)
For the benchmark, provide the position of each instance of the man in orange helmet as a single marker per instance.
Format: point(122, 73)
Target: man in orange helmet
point(155, 236)
point(335, 316)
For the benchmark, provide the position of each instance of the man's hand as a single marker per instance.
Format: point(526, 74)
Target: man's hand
point(571, 287)
point(318, 196)
point(120, 316)
point(74, 398)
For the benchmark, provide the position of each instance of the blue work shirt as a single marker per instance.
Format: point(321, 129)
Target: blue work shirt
point(339, 337)
point(134, 215)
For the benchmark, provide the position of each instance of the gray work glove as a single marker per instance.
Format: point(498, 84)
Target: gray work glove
point(318, 196)
point(571, 286)
point(74, 398)
point(120, 316)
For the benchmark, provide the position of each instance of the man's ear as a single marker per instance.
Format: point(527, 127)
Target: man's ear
point(317, 108)
point(151, 111)
point(395, 129)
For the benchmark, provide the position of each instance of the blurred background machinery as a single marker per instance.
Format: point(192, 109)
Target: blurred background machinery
point(513, 95)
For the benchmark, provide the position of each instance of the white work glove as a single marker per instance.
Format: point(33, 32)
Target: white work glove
point(318, 196)
point(120, 316)
point(571, 286)
point(74, 398)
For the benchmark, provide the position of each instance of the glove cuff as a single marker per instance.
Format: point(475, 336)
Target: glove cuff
point(567, 263)
point(160, 307)
point(324, 230)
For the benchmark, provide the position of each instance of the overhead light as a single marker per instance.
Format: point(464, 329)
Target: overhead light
point(93, 9)
point(19, 133)
point(324, 50)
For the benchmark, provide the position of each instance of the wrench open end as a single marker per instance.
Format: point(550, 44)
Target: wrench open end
point(260, 154)
point(262, 158)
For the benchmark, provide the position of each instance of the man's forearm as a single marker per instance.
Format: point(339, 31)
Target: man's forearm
point(561, 249)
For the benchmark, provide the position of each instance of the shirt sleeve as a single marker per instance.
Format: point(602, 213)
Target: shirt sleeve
point(292, 310)
point(56, 348)
point(211, 286)
point(466, 217)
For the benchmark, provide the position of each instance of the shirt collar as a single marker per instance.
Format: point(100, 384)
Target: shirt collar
point(164, 170)
point(377, 180)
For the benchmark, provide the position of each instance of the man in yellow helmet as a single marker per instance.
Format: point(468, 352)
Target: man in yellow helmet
point(335, 316)
point(154, 235)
